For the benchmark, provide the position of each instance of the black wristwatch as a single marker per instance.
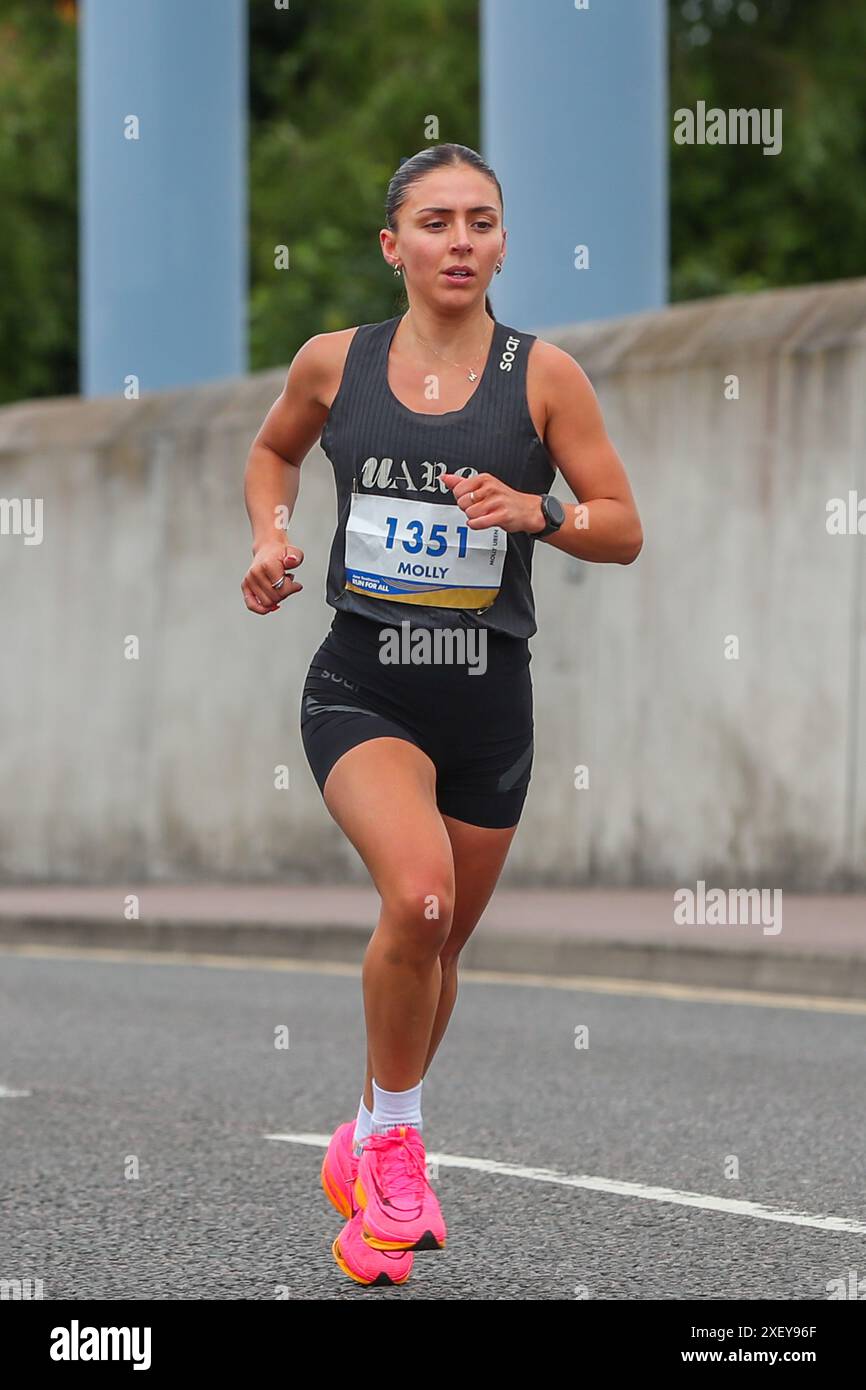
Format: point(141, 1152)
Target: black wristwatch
point(553, 513)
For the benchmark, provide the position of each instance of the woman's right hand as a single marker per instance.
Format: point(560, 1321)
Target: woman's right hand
point(270, 563)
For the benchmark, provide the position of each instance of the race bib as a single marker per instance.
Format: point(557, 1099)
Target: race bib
point(421, 552)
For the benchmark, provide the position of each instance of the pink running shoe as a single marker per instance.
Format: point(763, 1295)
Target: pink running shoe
point(400, 1208)
point(340, 1169)
point(366, 1265)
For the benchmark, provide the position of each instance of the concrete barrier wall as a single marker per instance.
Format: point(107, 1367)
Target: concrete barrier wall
point(742, 772)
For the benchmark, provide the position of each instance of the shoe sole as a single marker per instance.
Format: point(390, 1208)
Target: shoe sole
point(381, 1280)
point(335, 1195)
point(427, 1241)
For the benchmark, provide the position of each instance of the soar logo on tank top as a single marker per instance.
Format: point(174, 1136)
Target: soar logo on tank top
point(506, 361)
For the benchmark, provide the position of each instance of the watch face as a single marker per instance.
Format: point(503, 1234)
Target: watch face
point(554, 510)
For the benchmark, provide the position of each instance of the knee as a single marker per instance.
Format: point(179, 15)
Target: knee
point(422, 900)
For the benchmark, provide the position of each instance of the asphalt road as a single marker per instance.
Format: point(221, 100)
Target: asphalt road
point(172, 1068)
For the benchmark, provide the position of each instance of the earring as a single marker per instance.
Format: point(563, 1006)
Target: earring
point(498, 267)
point(398, 269)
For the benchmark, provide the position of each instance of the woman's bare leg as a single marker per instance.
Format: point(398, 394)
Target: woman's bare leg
point(479, 855)
point(382, 794)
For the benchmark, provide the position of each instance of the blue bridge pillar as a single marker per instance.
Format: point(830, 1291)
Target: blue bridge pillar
point(574, 124)
point(163, 200)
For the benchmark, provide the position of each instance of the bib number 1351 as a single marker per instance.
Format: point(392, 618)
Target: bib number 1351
point(421, 552)
point(437, 544)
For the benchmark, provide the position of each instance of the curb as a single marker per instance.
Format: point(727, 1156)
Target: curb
point(839, 976)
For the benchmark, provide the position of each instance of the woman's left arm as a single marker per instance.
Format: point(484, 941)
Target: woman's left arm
point(604, 523)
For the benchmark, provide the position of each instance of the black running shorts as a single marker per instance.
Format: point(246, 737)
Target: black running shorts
point(476, 728)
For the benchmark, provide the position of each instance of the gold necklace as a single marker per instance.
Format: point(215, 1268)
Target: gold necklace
point(473, 376)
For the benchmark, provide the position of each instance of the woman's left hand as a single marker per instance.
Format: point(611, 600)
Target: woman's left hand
point(495, 504)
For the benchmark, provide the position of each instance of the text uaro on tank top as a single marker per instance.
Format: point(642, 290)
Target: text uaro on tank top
point(384, 473)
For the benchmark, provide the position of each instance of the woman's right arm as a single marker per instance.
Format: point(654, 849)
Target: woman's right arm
point(272, 475)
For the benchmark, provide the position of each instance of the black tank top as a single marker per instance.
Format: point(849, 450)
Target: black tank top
point(378, 445)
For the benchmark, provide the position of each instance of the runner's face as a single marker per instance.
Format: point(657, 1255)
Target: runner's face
point(450, 217)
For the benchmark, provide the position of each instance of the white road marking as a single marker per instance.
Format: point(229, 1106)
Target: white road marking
point(706, 1202)
point(581, 984)
point(6, 1092)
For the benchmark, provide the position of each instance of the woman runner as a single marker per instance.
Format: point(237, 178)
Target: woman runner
point(444, 428)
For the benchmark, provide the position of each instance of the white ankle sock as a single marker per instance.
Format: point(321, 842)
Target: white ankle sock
point(363, 1127)
point(392, 1108)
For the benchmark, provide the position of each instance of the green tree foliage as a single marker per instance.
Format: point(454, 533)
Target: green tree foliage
point(346, 95)
point(742, 220)
point(38, 201)
point(341, 91)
